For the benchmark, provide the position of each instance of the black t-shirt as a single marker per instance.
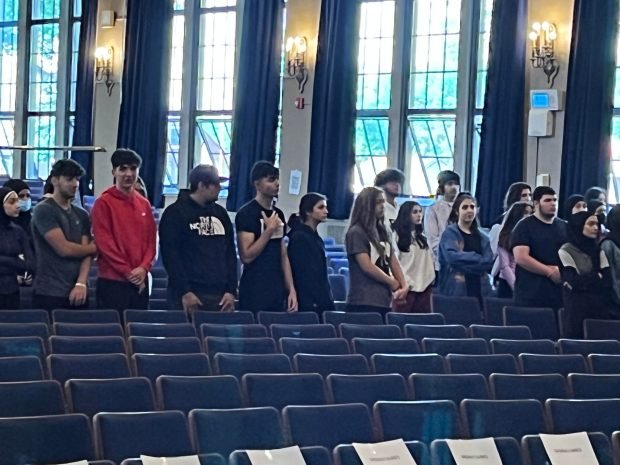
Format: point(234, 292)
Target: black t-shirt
point(262, 282)
point(472, 243)
point(544, 241)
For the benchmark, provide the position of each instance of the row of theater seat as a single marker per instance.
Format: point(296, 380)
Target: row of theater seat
point(119, 436)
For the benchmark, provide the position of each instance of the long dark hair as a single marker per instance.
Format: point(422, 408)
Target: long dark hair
point(307, 204)
point(403, 227)
point(363, 215)
point(514, 215)
point(513, 195)
point(454, 213)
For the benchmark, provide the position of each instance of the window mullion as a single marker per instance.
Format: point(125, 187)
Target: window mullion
point(21, 102)
point(64, 66)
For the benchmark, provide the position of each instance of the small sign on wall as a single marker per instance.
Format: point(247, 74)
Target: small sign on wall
point(294, 184)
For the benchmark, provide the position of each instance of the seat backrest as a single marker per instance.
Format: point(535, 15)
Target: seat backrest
point(601, 329)
point(232, 318)
point(161, 329)
point(537, 364)
point(348, 331)
point(164, 345)
point(205, 459)
point(186, 393)
point(345, 454)
point(484, 418)
point(572, 416)
point(368, 347)
point(541, 321)
point(239, 345)
point(366, 389)
point(539, 387)
point(324, 365)
point(85, 316)
point(22, 346)
point(285, 318)
point(153, 365)
point(586, 386)
point(239, 364)
point(515, 347)
point(127, 435)
point(31, 398)
point(24, 329)
point(24, 316)
point(487, 332)
point(313, 455)
point(155, 316)
point(458, 310)
point(585, 348)
point(402, 319)
point(229, 330)
point(45, 439)
point(441, 346)
point(338, 286)
point(419, 332)
point(483, 364)
point(87, 345)
point(333, 346)
point(82, 329)
point(223, 431)
point(280, 390)
point(307, 331)
point(27, 368)
point(604, 364)
point(417, 421)
point(92, 366)
point(358, 318)
point(508, 449)
point(535, 454)
point(91, 396)
point(407, 364)
point(448, 387)
point(493, 308)
point(328, 425)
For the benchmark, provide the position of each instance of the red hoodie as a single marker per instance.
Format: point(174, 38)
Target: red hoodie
point(124, 230)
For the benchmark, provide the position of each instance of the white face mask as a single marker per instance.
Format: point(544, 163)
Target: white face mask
point(25, 205)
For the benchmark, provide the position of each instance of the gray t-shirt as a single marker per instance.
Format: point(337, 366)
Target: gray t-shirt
point(364, 290)
point(57, 275)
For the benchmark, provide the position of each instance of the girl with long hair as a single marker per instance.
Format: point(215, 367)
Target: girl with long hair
point(374, 271)
point(506, 260)
point(416, 259)
point(465, 255)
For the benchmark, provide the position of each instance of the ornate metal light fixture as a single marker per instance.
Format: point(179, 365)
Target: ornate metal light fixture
point(543, 37)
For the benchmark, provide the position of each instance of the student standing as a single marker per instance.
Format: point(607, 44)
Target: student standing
point(124, 228)
point(62, 240)
point(517, 192)
point(416, 259)
point(306, 252)
point(438, 214)
point(374, 271)
point(266, 282)
point(505, 259)
point(22, 189)
point(391, 182)
point(611, 246)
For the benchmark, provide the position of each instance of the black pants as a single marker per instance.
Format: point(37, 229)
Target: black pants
point(121, 295)
point(9, 301)
point(210, 301)
point(504, 291)
point(49, 303)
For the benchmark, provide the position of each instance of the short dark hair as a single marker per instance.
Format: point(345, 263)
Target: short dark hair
point(125, 157)
point(263, 169)
point(68, 168)
point(389, 175)
point(540, 191)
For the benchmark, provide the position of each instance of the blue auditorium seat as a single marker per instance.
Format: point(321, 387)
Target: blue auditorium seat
point(417, 421)
point(239, 318)
point(93, 366)
point(366, 389)
point(26, 368)
point(493, 308)
point(230, 330)
point(164, 345)
point(24, 330)
point(586, 386)
point(357, 318)
point(239, 364)
point(332, 346)
point(458, 310)
point(161, 329)
point(601, 329)
point(515, 347)
point(497, 418)
point(604, 364)
point(508, 449)
point(285, 318)
point(87, 345)
point(345, 454)
point(24, 316)
point(305, 331)
point(368, 347)
point(587, 347)
point(186, 393)
point(419, 332)
point(402, 319)
point(280, 390)
point(348, 331)
point(541, 321)
point(224, 431)
point(539, 387)
point(22, 346)
point(448, 387)
point(85, 316)
point(91, 396)
point(328, 425)
point(31, 398)
point(155, 316)
point(483, 364)
point(500, 332)
point(537, 364)
point(407, 364)
point(313, 455)
point(239, 345)
point(153, 365)
point(325, 365)
point(94, 329)
point(454, 346)
point(205, 459)
point(535, 454)
point(127, 435)
point(572, 416)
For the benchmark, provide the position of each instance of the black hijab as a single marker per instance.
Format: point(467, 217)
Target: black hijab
point(5, 220)
point(613, 224)
point(570, 204)
point(590, 247)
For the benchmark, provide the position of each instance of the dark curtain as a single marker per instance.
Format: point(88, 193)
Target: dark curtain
point(85, 89)
point(144, 106)
point(501, 153)
point(589, 97)
point(257, 97)
point(332, 157)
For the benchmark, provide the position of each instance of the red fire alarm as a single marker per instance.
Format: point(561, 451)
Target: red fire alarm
point(300, 103)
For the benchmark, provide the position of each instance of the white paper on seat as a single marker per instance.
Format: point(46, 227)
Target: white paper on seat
point(569, 449)
point(182, 460)
point(384, 453)
point(286, 456)
point(474, 451)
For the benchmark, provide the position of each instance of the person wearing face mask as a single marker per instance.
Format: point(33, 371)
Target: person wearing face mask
point(586, 275)
point(16, 256)
point(574, 204)
point(25, 203)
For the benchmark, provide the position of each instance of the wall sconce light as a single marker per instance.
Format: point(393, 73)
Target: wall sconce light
point(296, 60)
point(104, 62)
point(543, 38)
